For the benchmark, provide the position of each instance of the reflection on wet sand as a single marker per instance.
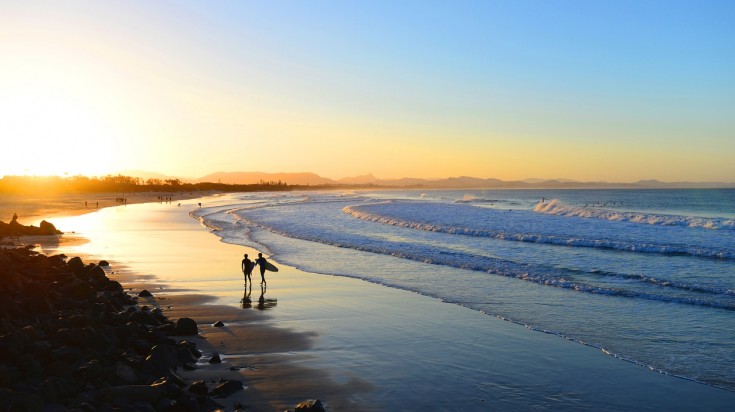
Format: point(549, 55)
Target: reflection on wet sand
point(247, 302)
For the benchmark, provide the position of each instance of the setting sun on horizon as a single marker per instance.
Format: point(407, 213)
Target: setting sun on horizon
point(613, 91)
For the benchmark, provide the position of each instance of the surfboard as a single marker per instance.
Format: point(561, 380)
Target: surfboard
point(271, 267)
point(250, 267)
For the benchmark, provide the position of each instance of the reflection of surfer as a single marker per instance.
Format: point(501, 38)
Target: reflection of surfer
point(247, 268)
point(246, 301)
point(261, 299)
point(260, 261)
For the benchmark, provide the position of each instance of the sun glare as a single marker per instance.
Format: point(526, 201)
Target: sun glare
point(50, 132)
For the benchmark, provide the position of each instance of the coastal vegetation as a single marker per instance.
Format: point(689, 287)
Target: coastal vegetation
point(46, 185)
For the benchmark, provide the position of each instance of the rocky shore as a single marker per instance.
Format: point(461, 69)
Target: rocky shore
point(73, 339)
point(14, 229)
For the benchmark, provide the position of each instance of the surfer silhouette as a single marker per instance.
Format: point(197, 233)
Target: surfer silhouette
point(260, 261)
point(247, 268)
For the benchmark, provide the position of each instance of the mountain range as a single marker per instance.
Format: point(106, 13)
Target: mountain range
point(462, 182)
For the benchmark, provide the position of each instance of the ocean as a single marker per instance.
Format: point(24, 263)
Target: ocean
point(647, 276)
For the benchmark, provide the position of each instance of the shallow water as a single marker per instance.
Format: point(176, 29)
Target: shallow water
point(645, 275)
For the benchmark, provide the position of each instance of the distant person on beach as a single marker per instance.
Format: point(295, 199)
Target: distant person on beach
point(260, 261)
point(247, 268)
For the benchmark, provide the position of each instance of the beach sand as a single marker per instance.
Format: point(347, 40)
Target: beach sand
point(352, 344)
point(31, 209)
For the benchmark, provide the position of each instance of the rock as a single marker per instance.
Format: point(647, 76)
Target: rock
point(60, 368)
point(8, 375)
point(218, 324)
point(187, 352)
point(171, 386)
point(215, 358)
point(143, 318)
point(131, 393)
point(31, 333)
point(47, 228)
point(97, 273)
point(90, 371)
point(199, 388)
point(78, 290)
point(124, 374)
point(113, 286)
point(227, 388)
point(311, 405)
point(103, 263)
point(71, 339)
point(185, 327)
point(145, 294)
point(162, 361)
point(76, 264)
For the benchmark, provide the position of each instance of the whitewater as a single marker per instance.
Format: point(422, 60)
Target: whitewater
point(647, 276)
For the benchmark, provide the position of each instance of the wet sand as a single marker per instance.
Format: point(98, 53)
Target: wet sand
point(356, 345)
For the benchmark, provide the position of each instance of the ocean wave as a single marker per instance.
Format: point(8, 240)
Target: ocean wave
point(557, 208)
point(523, 271)
point(573, 241)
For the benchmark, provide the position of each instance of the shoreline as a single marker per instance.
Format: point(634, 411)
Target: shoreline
point(32, 209)
point(322, 310)
point(194, 304)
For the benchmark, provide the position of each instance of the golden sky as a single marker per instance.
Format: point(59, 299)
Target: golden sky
point(616, 91)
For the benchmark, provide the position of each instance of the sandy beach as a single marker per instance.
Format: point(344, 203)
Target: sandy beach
point(32, 209)
point(353, 344)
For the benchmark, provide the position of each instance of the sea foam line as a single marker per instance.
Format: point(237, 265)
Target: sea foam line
point(355, 211)
point(557, 208)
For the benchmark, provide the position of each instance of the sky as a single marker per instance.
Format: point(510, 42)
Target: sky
point(587, 90)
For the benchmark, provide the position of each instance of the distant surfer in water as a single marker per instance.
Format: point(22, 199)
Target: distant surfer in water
point(247, 268)
point(260, 261)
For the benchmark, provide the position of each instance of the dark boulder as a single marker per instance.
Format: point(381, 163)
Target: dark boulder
point(78, 290)
point(199, 388)
point(48, 228)
point(131, 393)
point(185, 327)
point(227, 388)
point(76, 264)
point(311, 405)
point(162, 361)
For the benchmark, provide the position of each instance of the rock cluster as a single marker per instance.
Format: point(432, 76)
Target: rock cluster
point(72, 339)
point(16, 229)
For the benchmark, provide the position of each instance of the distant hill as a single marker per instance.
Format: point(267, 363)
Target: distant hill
point(460, 182)
point(359, 180)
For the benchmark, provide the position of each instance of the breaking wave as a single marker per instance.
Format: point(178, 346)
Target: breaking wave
point(557, 208)
point(360, 212)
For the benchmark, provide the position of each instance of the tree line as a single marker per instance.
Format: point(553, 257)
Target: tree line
point(118, 183)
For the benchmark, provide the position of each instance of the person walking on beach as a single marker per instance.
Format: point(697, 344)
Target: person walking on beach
point(260, 261)
point(247, 268)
